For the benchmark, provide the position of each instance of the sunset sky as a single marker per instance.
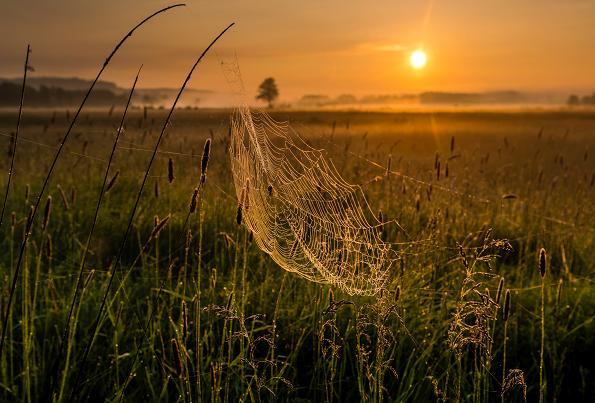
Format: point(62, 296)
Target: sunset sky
point(322, 47)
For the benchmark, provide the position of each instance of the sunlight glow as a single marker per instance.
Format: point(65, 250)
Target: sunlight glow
point(418, 59)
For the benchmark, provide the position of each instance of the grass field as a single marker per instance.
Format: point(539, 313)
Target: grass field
point(197, 312)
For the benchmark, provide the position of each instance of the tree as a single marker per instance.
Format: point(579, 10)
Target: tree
point(573, 100)
point(267, 91)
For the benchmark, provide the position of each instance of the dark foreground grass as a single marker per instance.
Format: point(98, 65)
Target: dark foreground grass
point(198, 313)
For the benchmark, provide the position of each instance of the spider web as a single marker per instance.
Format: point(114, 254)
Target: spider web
point(300, 210)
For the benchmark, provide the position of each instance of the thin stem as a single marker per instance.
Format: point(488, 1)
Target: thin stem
point(6, 322)
point(198, 295)
point(95, 325)
point(145, 332)
point(55, 160)
point(16, 135)
point(64, 338)
point(541, 380)
point(504, 357)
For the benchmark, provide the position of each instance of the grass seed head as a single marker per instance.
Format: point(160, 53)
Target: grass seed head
point(506, 312)
point(515, 377)
point(159, 225)
point(542, 262)
point(240, 208)
point(204, 163)
point(46, 213)
point(73, 196)
point(170, 170)
point(112, 181)
point(397, 293)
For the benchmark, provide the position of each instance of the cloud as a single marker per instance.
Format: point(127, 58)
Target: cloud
point(375, 47)
point(393, 47)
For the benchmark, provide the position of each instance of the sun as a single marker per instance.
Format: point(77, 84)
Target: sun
point(418, 59)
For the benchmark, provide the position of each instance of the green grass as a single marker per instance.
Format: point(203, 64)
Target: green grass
point(265, 334)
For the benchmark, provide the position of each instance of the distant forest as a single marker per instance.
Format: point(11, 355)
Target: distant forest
point(575, 100)
point(54, 96)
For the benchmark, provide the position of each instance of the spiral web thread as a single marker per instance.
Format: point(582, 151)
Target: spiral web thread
point(300, 211)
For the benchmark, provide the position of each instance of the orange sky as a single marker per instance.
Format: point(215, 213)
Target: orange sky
point(323, 47)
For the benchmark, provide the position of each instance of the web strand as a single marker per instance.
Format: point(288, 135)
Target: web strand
point(301, 211)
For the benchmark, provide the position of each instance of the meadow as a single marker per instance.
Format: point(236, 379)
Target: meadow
point(196, 312)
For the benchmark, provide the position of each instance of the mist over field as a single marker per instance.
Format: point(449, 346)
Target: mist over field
point(283, 201)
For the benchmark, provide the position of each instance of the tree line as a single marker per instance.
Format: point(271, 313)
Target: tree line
point(55, 96)
point(575, 100)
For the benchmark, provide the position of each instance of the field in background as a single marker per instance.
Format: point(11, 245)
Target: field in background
point(267, 334)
